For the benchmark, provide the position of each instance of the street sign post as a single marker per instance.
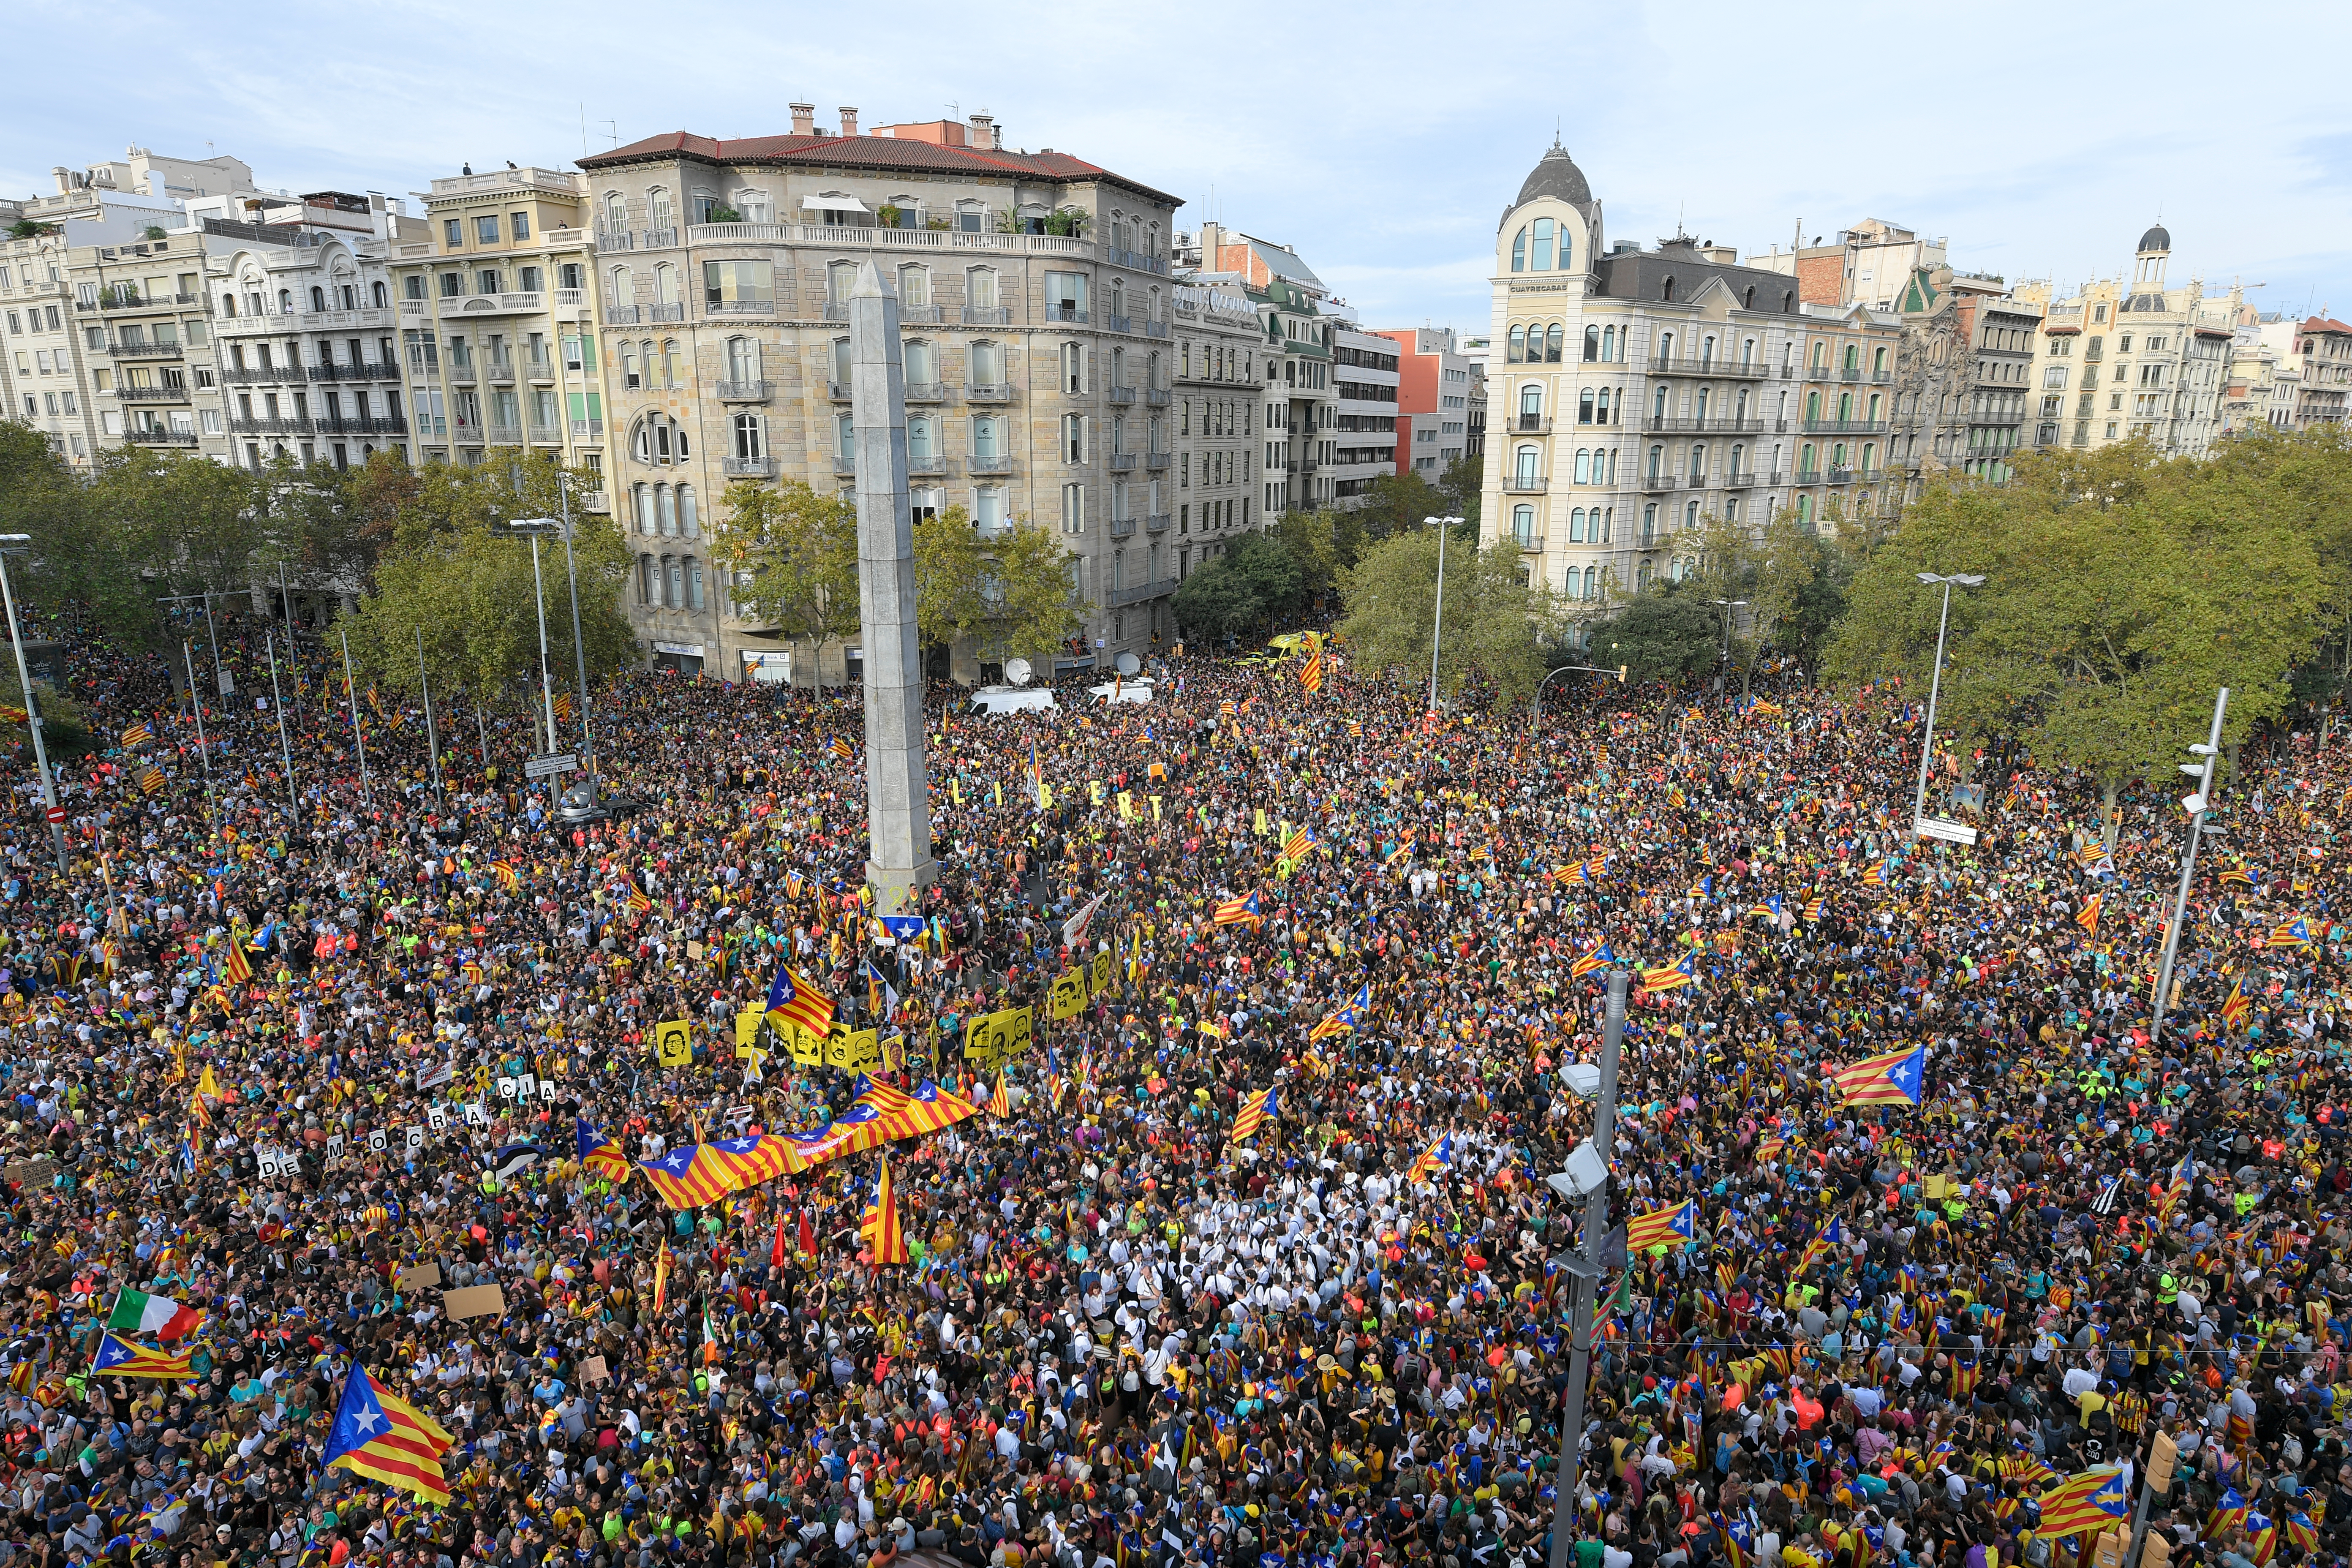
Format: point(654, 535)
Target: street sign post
point(1936, 827)
point(548, 763)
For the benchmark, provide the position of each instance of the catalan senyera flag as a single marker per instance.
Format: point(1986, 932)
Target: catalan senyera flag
point(151, 781)
point(880, 1224)
point(2090, 1500)
point(1438, 1154)
point(234, 964)
point(136, 736)
point(1895, 1077)
point(507, 875)
point(599, 1154)
point(2184, 1176)
point(1000, 1104)
point(563, 706)
point(121, 1358)
point(1310, 674)
point(2237, 1005)
point(2290, 933)
point(841, 749)
point(2239, 876)
point(1234, 911)
point(1598, 956)
point(1668, 1227)
point(380, 1435)
point(1255, 1111)
point(1675, 975)
point(2089, 919)
point(801, 1002)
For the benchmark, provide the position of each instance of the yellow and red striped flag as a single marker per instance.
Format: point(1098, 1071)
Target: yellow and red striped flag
point(879, 1225)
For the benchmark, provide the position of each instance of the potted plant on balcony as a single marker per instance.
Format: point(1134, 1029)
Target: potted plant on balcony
point(888, 214)
point(1068, 222)
point(723, 214)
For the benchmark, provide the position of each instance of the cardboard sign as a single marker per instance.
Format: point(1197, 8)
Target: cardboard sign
point(694, 951)
point(993, 1039)
point(852, 1052)
point(673, 1043)
point(422, 1277)
point(436, 1119)
point(506, 1089)
point(806, 1045)
point(1067, 998)
point(547, 1089)
point(474, 1301)
point(414, 1136)
point(475, 1115)
point(379, 1140)
point(747, 1027)
point(271, 1162)
point(592, 1370)
point(30, 1173)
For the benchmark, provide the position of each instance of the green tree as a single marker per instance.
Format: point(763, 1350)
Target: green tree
point(800, 549)
point(1496, 620)
point(1460, 487)
point(1669, 632)
point(1799, 588)
point(1216, 602)
point(1273, 576)
point(1009, 593)
point(1397, 504)
point(2121, 590)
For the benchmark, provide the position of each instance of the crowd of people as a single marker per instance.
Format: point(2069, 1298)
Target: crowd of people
point(307, 1056)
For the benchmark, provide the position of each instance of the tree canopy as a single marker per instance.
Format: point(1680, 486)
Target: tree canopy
point(1496, 619)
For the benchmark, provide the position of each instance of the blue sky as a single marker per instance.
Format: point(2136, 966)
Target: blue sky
point(1382, 142)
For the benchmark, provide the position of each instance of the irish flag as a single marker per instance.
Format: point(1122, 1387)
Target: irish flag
point(139, 1313)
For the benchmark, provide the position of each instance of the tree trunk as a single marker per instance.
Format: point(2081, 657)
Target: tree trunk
point(2108, 820)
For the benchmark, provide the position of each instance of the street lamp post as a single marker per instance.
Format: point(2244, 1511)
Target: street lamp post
point(1537, 712)
point(1437, 620)
point(561, 527)
point(1587, 1176)
point(1936, 681)
point(533, 528)
point(1727, 606)
point(2197, 804)
point(10, 544)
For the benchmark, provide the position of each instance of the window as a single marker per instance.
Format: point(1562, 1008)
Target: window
point(453, 233)
point(486, 281)
point(1074, 438)
point(980, 289)
point(987, 365)
point(739, 283)
point(751, 437)
point(914, 285)
point(1523, 525)
point(840, 277)
point(1074, 508)
point(1584, 407)
point(454, 284)
point(1553, 341)
point(1543, 242)
point(1527, 467)
point(1073, 367)
point(1583, 467)
point(755, 206)
point(1520, 251)
point(1592, 343)
point(1065, 296)
point(742, 359)
point(1517, 351)
point(922, 363)
point(486, 229)
point(986, 436)
point(660, 215)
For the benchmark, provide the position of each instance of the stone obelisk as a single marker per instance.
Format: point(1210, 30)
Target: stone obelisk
point(897, 795)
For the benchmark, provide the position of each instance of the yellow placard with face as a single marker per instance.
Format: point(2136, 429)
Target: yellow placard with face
point(674, 1042)
point(1067, 998)
point(852, 1050)
point(1102, 971)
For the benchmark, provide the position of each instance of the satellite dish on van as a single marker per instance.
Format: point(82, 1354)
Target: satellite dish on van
point(1129, 665)
point(1016, 670)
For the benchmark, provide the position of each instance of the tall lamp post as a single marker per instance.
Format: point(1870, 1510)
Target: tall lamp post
point(1437, 620)
point(1727, 606)
point(532, 527)
point(563, 526)
point(1936, 681)
point(1585, 1177)
point(2197, 805)
point(17, 544)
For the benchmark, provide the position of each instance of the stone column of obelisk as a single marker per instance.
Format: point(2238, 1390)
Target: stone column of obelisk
point(898, 811)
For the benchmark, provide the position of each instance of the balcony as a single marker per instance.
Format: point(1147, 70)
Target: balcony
point(1845, 428)
point(993, 392)
point(146, 351)
point(844, 467)
point(339, 424)
point(462, 374)
point(1121, 395)
point(1141, 261)
point(726, 309)
point(665, 312)
point(153, 393)
point(539, 369)
point(524, 303)
point(658, 238)
point(154, 436)
point(1155, 329)
point(1121, 323)
point(1138, 593)
point(1161, 460)
point(1063, 311)
point(1653, 484)
point(355, 372)
point(1715, 367)
point(261, 375)
point(1525, 484)
point(1838, 476)
point(1703, 426)
point(1122, 528)
point(836, 310)
point(1770, 477)
point(745, 390)
point(918, 315)
point(1155, 398)
point(1696, 482)
point(936, 466)
point(378, 317)
point(1821, 373)
point(546, 435)
point(269, 426)
point(620, 315)
point(1850, 373)
point(1156, 524)
point(504, 435)
point(1884, 376)
point(756, 468)
point(985, 316)
point(1531, 424)
point(927, 392)
point(1121, 462)
point(615, 240)
point(1532, 543)
point(498, 372)
point(1740, 479)
point(979, 465)
point(596, 501)
point(587, 429)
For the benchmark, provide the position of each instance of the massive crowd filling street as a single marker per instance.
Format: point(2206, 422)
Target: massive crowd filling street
point(298, 1067)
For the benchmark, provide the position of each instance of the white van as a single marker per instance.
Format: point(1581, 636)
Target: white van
point(1013, 699)
point(1128, 689)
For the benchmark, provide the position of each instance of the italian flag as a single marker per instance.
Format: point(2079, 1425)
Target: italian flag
point(139, 1313)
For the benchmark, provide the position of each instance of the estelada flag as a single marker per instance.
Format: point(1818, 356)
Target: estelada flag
point(1674, 975)
point(879, 1225)
point(380, 1435)
point(1233, 912)
point(2092, 1499)
point(801, 1002)
point(119, 1358)
point(1255, 1112)
point(2235, 1006)
point(1668, 1227)
point(1895, 1077)
point(2291, 934)
point(1597, 957)
point(1438, 1154)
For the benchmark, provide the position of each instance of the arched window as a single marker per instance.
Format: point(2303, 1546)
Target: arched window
point(1641, 577)
point(1837, 456)
point(1609, 343)
point(1821, 354)
point(919, 447)
point(1699, 403)
point(648, 581)
point(689, 515)
point(1737, 453)
point(980, 289)
point(286, 302)
point(1747, 298)
point(1542, 259)
point(1553, 342)
point(922, 363)
point(1854, 356)
point(1707, 349)
point(617, 210)
point(742, 359)
point(1523, 525)
point(1592, 579)
point(1583, 467)
point(1530, 404)
point(1520, 251)
point(1690, 514)
point(1657, 461)
point(1697, 462)
point(1584, 407)
point(1602, 417)
point(1875, 403)
point(659, 214)
point(914, 285)
point(1666, 289)
point(1649, 524)
point(228, 304)
point(621, 290)
point(1528, 466)
point(1658, 404)
point(694, 583)
point(1812, 405)
point(673, 582)
point(666, 284)
point(1592, 343)
point(755, 205)
point(1805, 509)
point(318, 297)
point(382, 295)
point(987, 434)
point(1666, 348)
point(1609, 514)
point(840, 277)
point(1845, 407)
point(1517, 351)
point(1576, 526)
point(751, 437)
point(986, 361)
point(1878, 362)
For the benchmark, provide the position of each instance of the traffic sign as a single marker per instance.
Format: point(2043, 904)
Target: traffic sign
point(546, 763)
point(1938, 827)
point(56, 814)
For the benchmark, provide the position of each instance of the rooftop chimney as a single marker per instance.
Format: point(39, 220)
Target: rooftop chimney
point(983, 132)
point(803, 119)
point(63, 177)
point(848, 121)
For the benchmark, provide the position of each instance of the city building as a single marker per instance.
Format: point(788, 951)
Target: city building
point(1300, 398)
point(2262, 385)
point(1872, 264)
point(1365, 373)
point(1642, 392)
point(1216, 396)
point(2319, 348)
point(1435, 386)
point(1474, 353)
point(497, 329)
point(1037, 306)
point(2133, 360)
point(102, 268)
